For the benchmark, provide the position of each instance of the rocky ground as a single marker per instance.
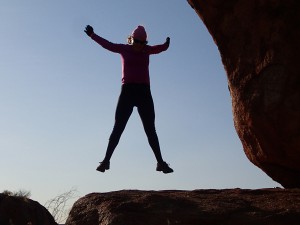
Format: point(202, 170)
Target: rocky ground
point(230, 206)
point(16, 210)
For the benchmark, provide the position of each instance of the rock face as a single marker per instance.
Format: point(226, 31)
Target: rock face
point(210, 207)
point(259, 43)
point(23, 211)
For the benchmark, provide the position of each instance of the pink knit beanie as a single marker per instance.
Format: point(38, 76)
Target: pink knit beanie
point(139, 33)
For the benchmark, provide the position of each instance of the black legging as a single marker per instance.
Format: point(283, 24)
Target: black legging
point(132, 95)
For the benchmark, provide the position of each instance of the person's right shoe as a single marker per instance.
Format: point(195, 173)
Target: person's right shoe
point(104, 165)
point(164, 167)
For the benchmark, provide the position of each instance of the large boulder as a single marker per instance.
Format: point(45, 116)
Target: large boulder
point(259, 45)
point(213, 207)
point(23, 211)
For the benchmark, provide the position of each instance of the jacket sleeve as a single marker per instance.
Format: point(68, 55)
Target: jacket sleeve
point(106, 44)
point(155, 49)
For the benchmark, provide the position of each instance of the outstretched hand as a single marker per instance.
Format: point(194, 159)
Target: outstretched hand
point(89, 30)
point(168, 41)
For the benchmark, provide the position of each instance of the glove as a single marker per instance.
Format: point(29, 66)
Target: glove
point(89, 30)
point(168, 41)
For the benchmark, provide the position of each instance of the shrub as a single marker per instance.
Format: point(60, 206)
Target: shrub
point(19, 194)
point(58, 206)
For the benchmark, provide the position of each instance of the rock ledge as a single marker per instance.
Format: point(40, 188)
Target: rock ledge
point(230, 206)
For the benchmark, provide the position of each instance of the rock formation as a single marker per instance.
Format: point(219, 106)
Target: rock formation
point(259, 45)
point(23, 211)
point(213, 207)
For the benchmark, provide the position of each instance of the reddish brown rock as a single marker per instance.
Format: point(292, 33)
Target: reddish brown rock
point(210, 207)
point(259, 44)
point(23, 211)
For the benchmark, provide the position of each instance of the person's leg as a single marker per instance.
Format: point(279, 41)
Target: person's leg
point(123, 111)
point(147, 114)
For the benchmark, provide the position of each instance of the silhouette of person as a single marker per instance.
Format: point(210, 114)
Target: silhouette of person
point(135, 91)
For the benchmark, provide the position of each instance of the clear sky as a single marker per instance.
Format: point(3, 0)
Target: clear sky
point(59, 89)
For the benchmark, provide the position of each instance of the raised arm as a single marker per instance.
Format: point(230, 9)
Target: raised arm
point(101, 41)
point(155, 49)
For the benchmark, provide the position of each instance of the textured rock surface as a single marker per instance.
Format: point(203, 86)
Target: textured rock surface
point(210, 207)
point(23, 211)
point(259, 44)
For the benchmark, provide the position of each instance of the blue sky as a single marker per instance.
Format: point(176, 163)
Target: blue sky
point(59, 89)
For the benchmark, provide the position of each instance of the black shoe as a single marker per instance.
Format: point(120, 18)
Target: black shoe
point(103, 166)
point(164, 167)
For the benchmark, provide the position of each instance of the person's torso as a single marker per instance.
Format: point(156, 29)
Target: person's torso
point(135, 65)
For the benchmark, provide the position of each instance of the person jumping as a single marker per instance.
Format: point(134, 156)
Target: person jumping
point(135, 91)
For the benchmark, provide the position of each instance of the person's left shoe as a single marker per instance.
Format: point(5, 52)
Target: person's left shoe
point(164, 167)
point(104, 165)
